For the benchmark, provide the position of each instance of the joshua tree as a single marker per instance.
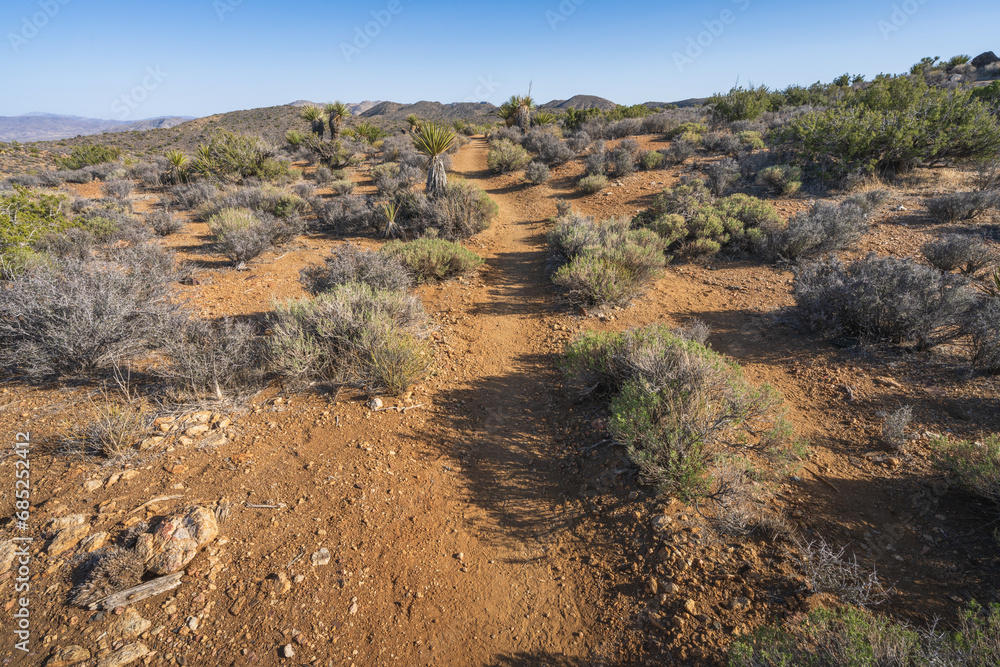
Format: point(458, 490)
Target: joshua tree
point(315, 117)
point(517, 111)
point(433, 141)
point(414, 122)
point(336, 113)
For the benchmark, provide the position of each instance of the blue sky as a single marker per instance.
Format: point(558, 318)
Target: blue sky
point(131, 60)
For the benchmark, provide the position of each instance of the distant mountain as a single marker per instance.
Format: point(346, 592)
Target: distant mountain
point(581, 102)
point(355, 109)
point(431, 110)
point(37, 126)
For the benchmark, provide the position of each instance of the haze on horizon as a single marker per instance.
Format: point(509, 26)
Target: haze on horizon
point(198, 57)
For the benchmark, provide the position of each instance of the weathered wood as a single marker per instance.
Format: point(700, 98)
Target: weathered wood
point(140, 592)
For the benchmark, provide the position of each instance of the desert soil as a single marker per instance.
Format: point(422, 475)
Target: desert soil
point(491, 522)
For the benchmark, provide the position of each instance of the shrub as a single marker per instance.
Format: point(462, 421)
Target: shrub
point(783, 179)
point(352, 335)
point(722, 174)
point(958, 251)
point(686, 199)
point(882, 299)
point(597, 161)
point(722, 143)
point(677, 406)
point(894, 427)
point(747, 219)
point(27, 217)
point(505, 156)
point(206, 359)
point(974, 466)
point(548, 147)
point(751, 140)
point(432, 259)
point(350, 264)
point(579, 142)
point(680, 150)
point(593, 183)
point(187, 196)
point(164, 223)
point(113, 428)
point(740, 103)
point(957, 206)
point(828, 571)
point(651, 160)
point(77, 176)
point(239, 234)
point(85, 156)
point(620, 161)
point(464, 209)
point(536, 173)
point(76, 317)
point(984, 330)
point(323, 175)
point(345, 215)
point(265, 199)
point(391, 179)
point(339, 188)
point(690, 132)
point(825, 228)
point(232, 156)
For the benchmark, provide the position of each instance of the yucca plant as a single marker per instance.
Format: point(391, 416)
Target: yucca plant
point(517, 111)
point(414, 122)
point(336, 113)
point(204, 162)
point(991, 287)
point(544, 118)
point(433, 141)
point(392, 228)
point(315, 118)
point(295, 138)
point(369, 132)
point(177, 172)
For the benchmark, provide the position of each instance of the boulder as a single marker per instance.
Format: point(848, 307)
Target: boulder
point(984, 59)
point(170, 546)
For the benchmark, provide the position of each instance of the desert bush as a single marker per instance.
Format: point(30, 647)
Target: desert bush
point(77, 176)
point(231, 156)
point(722, 174)
point(74, 243)
point(50, 179)
point(957, 206)
point(27, 217)
point(966, 253)
point(239, 234)
point(723, 143)
point(339, 188)
point(579, 142)
point(603, 263)
point(536, 173)
point(505, 157)
point(464, 209)
point(974, 466)
point(751, 140)
point(548, 147)
point(350, 264)
point(187, 196)
point(676, 405)
point(150, 175)
point(164, 223)
point(689, 132)
point(29, 181)
point(679, 151)
point(651, 160)
point(393, 178)
point(352, 335)
point(740, 103)
point(323, 175)
point(894, 426)
point(882, 300)
point(984, 333)
point(593, 183)
point(626, 127)
point(620, 161)
point(212, 359)
point(304, 190)
point(597, 162)
point(433, 259)
point(345, 215)
point(266, 199)
point(657, 123)
point(74, 317)
point(825, 228)
point(783, 179)
point(829, 570)
point(85, 156)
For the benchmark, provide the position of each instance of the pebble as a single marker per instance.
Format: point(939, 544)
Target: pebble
point(68, 655)
point(288, 651)
point(321, 557)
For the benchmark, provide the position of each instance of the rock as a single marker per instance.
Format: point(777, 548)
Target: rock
point(7, 552)
point(279, 583)
point(214, 439)
point(65, 522)
point(984, 59)
point(354, 607)
point(661, 523)
point(192, 623)
point(375, 404)
point(321, 557)
point(129, 625)
point(124, 656)
point(67, 538)
point(149, 443)
point(288, 651)
point(176, 540)
point(68, 655)
point(92, 543)
point(738, 604)
point(691, 607)
point(197, 430)
point(92, 485)
point(201, 416)
point(653, 585)
point(887, 382)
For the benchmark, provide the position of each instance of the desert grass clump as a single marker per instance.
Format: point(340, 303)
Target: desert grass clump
point(825, 228)
point(829, 570)
point(958, 206)
point(113, 428)
point(782, 179)
point(603, 263)
point(164, 223)
point(675, 404)
point(968, 254)
point(974, 466)
point(213, 360)
point(353, 335)
point(882, 300)
point(504, 157)
point(76, 318)
point(593, 184)
point(537, 173)
point(349, 264)
point(894, 426)
point(433, 259)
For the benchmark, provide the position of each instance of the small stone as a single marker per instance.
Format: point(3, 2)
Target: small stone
point(192, 623)
point(149, 443)
point(176, 540)
point(197, 430)
point(354, 607)
point(124, 656)
point(92, 543)
point(321, 557)
point(66, 522)
point(214, 439)
point(279, 583)
point(129, 625)
point(288, 651)
point(7, 552)
point(653, 585)
point(662, 522)
point(67, 538)
point(691, 607)
point(375, 404)
point(92, 485)
point(68, 655)
point(738, 604)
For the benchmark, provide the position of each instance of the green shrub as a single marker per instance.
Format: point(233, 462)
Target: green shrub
point(751, 140)
point(593, 183)
point(353, 335)
point(464, 209)
point(690, 132)
point(431, 259)
point(232, 156)
point(505, 156)
point(740, 103)
point(85, 156)
point(676, 405)
point(783, 179)
point(240, 234)
point(26, 218)
point(651, 160)
point(975, 466)
point(350, 264)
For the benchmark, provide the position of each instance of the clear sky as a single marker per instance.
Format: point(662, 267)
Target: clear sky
point(133, 60)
